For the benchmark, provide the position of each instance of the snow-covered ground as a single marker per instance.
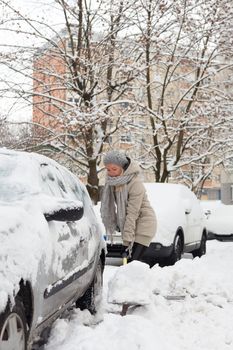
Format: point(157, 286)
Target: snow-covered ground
point(201, 321)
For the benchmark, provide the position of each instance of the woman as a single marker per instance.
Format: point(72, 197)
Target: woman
point(124, 205)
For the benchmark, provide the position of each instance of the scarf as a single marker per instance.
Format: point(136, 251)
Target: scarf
point(113, 203)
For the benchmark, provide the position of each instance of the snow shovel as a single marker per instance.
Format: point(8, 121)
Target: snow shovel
point(127, 287)
point(124, 306)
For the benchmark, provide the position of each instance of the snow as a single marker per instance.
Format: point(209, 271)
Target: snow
point(128, 284)
point(202, 320)
point(49, 205)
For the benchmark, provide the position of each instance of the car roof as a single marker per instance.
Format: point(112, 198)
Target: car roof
point(26, 156)
point(166, 188)
point(20, 171)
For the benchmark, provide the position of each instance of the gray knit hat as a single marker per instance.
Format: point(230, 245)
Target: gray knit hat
point(116, 157)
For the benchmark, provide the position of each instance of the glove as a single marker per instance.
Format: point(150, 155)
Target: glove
point(126, 251)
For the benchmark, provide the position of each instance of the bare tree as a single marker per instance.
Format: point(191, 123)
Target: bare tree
point(187, 55)
point(168, 61)
point(80, 77)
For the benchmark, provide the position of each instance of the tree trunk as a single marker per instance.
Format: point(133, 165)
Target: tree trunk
point(93, 181)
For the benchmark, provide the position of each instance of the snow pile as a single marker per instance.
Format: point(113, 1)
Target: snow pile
point(114, 333)
point(197, 278)
point(202, 320)
point(130, 284)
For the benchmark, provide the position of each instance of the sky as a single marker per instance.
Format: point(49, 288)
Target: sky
point(19, 111)
point(48, 11)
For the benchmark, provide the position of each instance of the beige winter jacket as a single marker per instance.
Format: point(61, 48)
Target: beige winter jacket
point(140, 223)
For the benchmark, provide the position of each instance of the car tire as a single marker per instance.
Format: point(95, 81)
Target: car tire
point(176, 251)
point(13, 327)
point(91, 299)
point(202, 249)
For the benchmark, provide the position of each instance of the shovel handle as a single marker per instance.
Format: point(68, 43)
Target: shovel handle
point(124, 306)
point(124, 259)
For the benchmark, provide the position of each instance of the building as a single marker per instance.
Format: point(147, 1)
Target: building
point(227, 186)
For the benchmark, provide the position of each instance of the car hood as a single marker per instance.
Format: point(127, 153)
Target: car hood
point(23, 244)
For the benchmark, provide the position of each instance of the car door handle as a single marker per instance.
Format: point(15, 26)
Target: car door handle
point(82, 240)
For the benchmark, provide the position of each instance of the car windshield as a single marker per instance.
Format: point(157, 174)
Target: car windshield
point(16, 180)
point(11, 192)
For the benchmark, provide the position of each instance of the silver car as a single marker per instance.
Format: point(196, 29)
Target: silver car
point(51, 249)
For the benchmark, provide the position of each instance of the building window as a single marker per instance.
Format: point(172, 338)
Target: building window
point(125, 104)
point(126, 138)
point(108, 139)
point(74, 100)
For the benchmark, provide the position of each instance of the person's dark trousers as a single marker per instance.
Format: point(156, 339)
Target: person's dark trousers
point(137, 252)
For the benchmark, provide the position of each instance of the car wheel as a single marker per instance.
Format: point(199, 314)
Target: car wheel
point(91, 299)
point(176, 252)
point(202, 249)
point(13, 329)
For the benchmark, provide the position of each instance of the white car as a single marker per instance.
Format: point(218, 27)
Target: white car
point(52, 251)
point(181, 225)
point(219, 220)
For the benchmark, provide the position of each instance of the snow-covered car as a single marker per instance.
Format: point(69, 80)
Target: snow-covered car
point(181, 225)
point(52, 251)
point(219, 220)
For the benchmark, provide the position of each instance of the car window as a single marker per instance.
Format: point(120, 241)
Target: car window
point(52, 182)
point(58, 182)
point(79, 191)
point(73, 185)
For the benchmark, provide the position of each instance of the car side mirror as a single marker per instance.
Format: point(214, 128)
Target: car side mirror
point(64, 210)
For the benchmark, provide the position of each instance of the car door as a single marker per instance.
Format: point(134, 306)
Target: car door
point(92, 235)
point(197, 218)
point(193, 216)
point(69, 245)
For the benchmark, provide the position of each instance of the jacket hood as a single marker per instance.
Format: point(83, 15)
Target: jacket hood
point(133, 168)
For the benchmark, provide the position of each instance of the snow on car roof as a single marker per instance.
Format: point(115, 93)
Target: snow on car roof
point(17, 174)
point(21, 174)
